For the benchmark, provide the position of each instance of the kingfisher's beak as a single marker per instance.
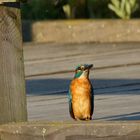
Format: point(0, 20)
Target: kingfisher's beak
point(89, 66)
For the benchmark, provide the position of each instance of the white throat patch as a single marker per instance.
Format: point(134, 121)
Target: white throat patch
point(84, 74)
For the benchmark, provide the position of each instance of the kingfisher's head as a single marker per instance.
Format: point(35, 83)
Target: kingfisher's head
point(82, 70)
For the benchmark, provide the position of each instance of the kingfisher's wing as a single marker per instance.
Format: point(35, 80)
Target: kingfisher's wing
point(70, 104)
point(92, 100)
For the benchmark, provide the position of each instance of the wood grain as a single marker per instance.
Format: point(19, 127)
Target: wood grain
point(6, 1)
point(2, 1)
point(12, 83)
point(115, 78)
point(45, 59)
point(85, 31)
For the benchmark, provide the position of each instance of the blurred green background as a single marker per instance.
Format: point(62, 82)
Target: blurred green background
point(74, 9)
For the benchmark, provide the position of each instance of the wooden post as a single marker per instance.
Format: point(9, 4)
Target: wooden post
point(12, 82)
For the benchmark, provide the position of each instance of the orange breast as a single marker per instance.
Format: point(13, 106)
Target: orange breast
point(81, 94)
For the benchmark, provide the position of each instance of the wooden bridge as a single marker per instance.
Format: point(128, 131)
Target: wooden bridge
point(115, 77)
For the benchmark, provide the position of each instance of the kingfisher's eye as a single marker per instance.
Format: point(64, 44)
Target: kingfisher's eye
point(82, 67)
point(78, 69)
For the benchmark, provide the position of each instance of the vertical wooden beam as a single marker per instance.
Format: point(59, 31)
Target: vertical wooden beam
point(12, 82)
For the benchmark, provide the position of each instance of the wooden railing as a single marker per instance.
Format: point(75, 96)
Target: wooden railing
point(12, 82)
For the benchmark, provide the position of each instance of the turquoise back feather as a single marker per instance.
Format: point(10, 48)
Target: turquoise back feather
point(78, 74)
point(70, 104)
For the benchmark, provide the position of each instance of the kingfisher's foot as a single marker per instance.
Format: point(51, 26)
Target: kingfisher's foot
point(87, 119)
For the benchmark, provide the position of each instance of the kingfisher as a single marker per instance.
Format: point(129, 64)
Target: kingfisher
point(81, 94)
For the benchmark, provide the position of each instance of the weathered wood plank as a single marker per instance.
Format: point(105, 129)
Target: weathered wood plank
point(12, 82)
point(115, 98)
point(84, 31)
point(49, 59)
point(102, 79)
point(2, 1)
point(5, 1)
point(107, 107)
point(116, 79)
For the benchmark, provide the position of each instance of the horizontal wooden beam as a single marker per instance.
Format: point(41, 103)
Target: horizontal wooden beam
point(3, 1)
point(83, 31)
point(71, 130)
